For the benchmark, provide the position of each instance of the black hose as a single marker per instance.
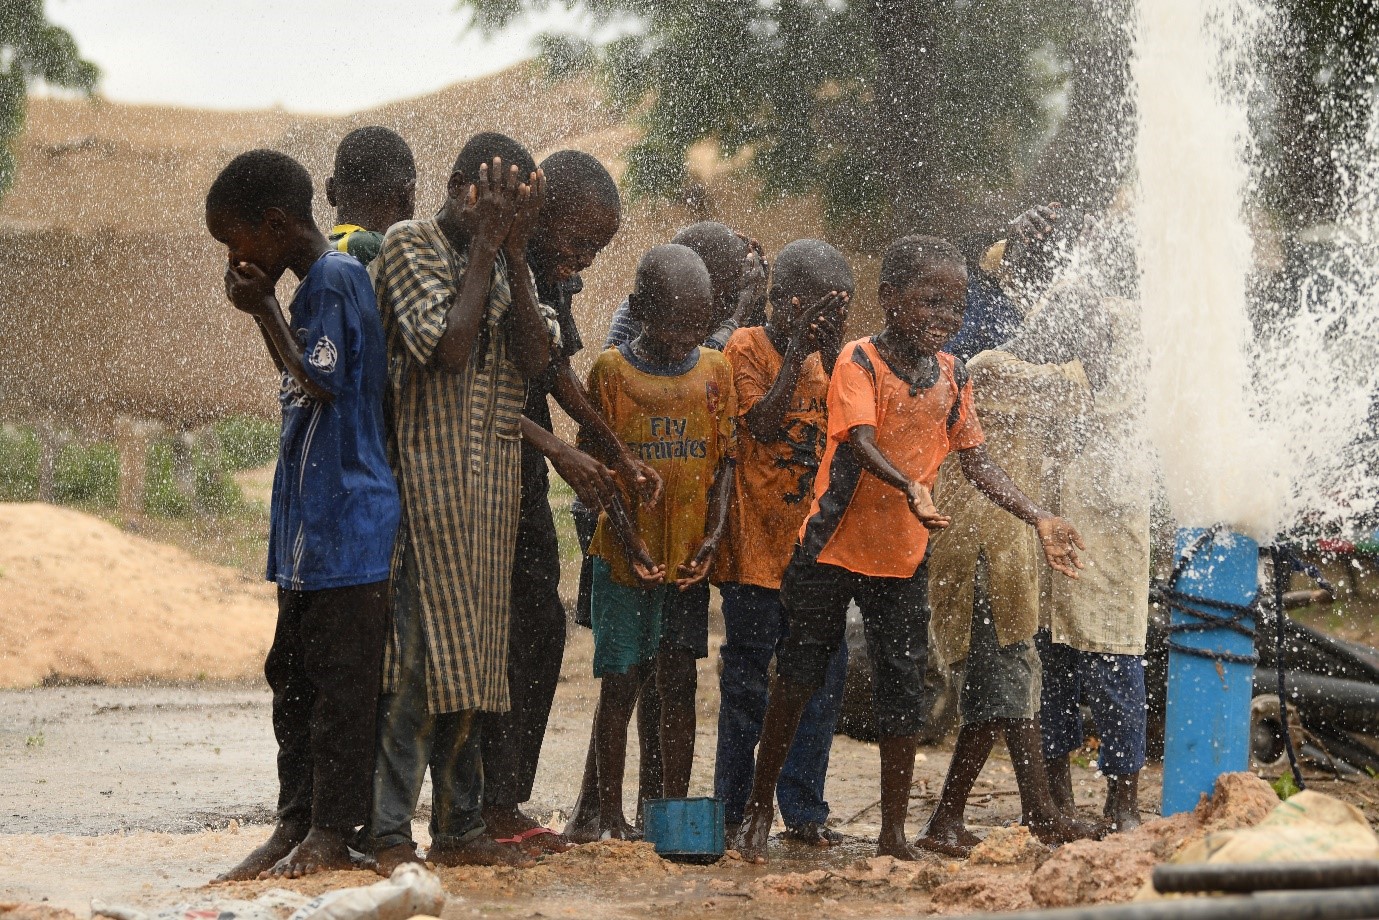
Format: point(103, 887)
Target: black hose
point(1237, 878)
point(1282, 575)
point(1334, 904)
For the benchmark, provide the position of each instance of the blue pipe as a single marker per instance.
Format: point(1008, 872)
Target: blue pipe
point(1207, 724)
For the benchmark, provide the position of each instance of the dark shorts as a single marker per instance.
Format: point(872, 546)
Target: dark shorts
point(685, 620)
point(895, 617)
point(997, 681)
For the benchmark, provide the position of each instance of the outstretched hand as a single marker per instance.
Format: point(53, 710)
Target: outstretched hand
point(696, 569)
point(922, 506)
point(1034, 224)
point(639, 479)
point(1061, 541)
point(591, 480)
point(649, 573)
point(249, 288)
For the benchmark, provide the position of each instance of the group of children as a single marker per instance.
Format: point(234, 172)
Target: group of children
point(413, 544)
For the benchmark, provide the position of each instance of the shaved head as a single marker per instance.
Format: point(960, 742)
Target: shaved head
point(809, 269)
point(669, 272)
point(722, 251)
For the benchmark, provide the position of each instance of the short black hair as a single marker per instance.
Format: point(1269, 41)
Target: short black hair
point(907, 258)
point(258, 180)
point(815, 262)
point(374, 155)
point(574, 177)
point(483, 147)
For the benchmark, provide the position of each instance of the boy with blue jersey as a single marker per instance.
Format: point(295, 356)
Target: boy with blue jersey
point(334, 509)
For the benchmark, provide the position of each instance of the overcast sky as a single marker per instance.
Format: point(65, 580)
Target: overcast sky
point(329, 56)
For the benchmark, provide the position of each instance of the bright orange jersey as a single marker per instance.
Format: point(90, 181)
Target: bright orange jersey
point(679, 421)
point(775, 480)
point(857, 521)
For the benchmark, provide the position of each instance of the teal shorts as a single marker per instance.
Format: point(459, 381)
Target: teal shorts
point(626, 621)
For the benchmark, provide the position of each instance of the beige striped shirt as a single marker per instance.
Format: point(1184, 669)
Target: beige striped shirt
point(455, 443)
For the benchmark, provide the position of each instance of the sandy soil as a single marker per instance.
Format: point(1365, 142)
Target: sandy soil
point(148, 792)
point(81, 600)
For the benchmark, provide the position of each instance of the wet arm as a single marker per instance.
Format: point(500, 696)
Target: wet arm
point(466, 314)
point(767, 417)
point(720, 499)
point(284, 350)
point(995, 484)
point(531, 337)
point(603, 443)
point(863, 438)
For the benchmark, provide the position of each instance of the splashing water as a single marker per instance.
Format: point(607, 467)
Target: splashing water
point(1258, 427)
point(1195, 253)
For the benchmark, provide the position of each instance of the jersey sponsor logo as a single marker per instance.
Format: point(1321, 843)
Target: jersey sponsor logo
point(669, 441)
point(712, 396)
point(324, 355)
point(291, 395)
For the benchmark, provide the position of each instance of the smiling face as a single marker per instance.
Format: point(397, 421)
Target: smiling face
point(567, 241)
point(263, 245)
point(927, 312)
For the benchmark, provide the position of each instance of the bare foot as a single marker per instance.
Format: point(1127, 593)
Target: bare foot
point(617, 829)
point(266, 856)
point(481, 851)
point(956, 841)
point(389, 858)
point(510, 826)
point(320, 851)
point(583, 827)
point(755, 833)
point(813, 834)
point(893, 843)
point(1062, 829)
point(1122, 821)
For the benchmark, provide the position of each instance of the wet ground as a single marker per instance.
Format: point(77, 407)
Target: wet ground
point(141, 795)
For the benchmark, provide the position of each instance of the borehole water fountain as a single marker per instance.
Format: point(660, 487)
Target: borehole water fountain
point(1255, 424)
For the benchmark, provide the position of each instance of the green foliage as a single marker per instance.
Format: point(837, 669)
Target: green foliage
point(213, 490)
point(18, 464)
point(32, 50)
point(87, 474)
point(1285, 787)
point(246, 442)
point(162, 496)
point(884, 106)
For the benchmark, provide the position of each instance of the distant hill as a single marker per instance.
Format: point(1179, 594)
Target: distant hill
point(111, 289)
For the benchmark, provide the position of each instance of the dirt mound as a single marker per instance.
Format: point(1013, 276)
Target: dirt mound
point(82, 601)
point(1114, 869)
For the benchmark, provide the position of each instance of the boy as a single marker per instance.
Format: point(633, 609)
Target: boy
point(581, 214)
point(735, 276)
point(896, 408)
point(671, 401)
point(984, 579)
point(780, 374)
point(464, 332)
point(374, 187)
point(334, 507)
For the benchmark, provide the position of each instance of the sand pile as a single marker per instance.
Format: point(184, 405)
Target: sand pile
point(81, 600)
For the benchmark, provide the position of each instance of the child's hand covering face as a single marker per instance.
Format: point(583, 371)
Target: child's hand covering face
point(248, 287)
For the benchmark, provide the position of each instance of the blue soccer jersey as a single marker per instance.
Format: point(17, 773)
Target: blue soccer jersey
point(335, 505)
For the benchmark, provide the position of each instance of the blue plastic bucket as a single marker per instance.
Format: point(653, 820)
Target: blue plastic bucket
point(686, 830)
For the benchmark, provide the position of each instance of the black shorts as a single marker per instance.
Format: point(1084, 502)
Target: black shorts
point(895, 616)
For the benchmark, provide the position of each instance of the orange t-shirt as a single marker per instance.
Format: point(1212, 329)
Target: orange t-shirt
point(857, 521)
point(680, 423)
point(775, 481)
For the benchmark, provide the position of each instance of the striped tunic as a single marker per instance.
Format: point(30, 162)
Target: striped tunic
point(455, 443)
